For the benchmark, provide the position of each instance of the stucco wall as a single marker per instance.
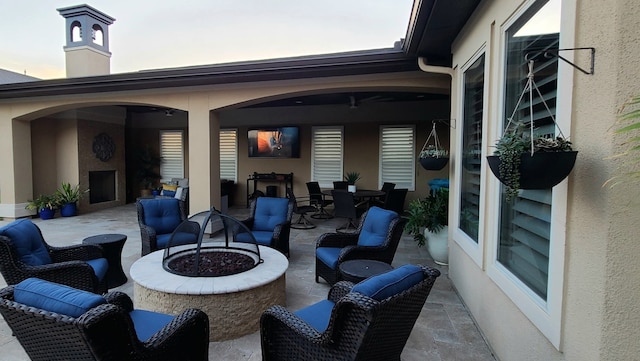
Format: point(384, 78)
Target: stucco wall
point(601, 285)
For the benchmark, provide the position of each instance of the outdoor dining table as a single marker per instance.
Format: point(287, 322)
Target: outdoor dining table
point(363, 196)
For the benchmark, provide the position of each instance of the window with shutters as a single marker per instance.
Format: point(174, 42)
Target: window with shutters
point(229, 154)
point(472, 114)
point(326, 155)
point(397, 156)
point(172, 154)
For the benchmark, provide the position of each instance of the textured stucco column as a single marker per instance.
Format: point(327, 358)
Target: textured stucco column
point(15, 147)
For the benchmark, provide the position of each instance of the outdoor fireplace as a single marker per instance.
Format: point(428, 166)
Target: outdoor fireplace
point(102, 186)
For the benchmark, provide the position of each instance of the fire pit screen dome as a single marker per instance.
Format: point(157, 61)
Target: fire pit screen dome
point(216, 252)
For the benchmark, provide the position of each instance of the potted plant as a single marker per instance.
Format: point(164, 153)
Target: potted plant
point(428, 221)
point(352, 178)
point(45, 205)
point(67, 197)
point(433, 158)
point(147, 165)
point(520, 162)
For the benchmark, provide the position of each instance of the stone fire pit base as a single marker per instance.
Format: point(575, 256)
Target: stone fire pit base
point(233, 303)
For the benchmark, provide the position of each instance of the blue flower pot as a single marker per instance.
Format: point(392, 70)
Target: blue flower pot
point(46, 213)
point(69, 210)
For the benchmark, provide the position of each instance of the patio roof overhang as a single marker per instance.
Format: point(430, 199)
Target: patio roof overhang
point(432, 28)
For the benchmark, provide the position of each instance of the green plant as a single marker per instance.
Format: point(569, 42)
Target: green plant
point(42, 202)
point(69, 194)
point(352, 177)
point(517, 141)
point(147, 165)
point(431, 213)
point(433, 152)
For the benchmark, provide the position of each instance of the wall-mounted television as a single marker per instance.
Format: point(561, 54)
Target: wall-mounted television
point(277, 142)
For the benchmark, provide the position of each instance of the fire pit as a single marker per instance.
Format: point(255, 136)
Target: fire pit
point(233, 282)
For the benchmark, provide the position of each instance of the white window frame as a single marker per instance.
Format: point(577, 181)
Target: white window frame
point(234, 155)
point(164, 176)
point(474, 250)
point(337, 162)
point(545, 315)
point(411, 159)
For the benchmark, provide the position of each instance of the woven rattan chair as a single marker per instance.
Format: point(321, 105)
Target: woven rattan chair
point(158, 218)
point(270, 223)
point(369, 321)
point(24, 253)
point(111, 330)
point(369, 241)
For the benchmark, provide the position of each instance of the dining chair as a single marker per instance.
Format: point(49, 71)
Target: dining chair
point(386, 188)
point(317, 198)
point(395, 200)
point(345, 207)
point(340, 185)
point(301, 210)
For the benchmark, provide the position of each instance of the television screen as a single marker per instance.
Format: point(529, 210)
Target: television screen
point(281, 142)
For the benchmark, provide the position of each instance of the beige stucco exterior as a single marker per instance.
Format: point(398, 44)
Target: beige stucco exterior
point(598, 316)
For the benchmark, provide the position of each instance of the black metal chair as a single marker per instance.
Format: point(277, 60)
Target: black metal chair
point(386, 188)
point(395, 200)
point(301, 210)
point(24, 253)
point(318, 199)
point(99, 327)
point(371, 320)
point(340, 185)
point(369, 241)
point(345, 207)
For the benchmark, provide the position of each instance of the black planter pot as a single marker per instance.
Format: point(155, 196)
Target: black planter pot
point(431, 163)
point(543, 170)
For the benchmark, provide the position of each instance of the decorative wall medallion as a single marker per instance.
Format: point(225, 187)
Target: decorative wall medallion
point(103, 147)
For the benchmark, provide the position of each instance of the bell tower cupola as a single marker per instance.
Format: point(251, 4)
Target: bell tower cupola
point(87, 47)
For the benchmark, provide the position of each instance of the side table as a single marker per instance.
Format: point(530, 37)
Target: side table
point(112, 245)
point(357, 270)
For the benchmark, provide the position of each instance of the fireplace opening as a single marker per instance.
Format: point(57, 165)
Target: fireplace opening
point(102, 186)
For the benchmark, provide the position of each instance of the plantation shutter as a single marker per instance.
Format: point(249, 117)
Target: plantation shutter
point(171, 152)
point(228, 154)
point(397, 156)
point(326, 155)
point(525, 232)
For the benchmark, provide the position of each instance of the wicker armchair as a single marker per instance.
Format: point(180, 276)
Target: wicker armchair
point(109, 331)
point(158, 218)
point(24, 253)
point(270, 222)
point(361, 322)
point(335, 248)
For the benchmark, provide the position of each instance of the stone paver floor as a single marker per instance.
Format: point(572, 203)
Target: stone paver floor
point(444, 330)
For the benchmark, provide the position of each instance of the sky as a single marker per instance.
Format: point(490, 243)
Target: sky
point(168, 33)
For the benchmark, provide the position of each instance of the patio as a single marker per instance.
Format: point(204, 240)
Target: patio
point(444, 331)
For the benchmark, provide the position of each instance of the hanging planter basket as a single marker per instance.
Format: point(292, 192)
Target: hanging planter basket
point(432, 155)
point(543, 162)
point(542, 170)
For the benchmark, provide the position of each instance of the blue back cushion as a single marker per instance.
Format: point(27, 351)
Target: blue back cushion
point(390, 283)
point(269, 213)
point(162, 214)
point(28, 241)
point(375, 227)
point(55, 297)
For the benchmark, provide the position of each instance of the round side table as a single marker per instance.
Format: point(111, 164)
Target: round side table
point(357, 270)
point(112, 245)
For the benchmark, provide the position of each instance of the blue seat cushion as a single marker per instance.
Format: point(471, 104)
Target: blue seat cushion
point(100, 267)
point(263, 237)
point(317, 315)
point(179, 238)
point(328, 255)
point(269, 213)
point(375, 227)
point(27, 239)
point(55, 297)
point(147, 323)
point(390, 283)
point(161, 214)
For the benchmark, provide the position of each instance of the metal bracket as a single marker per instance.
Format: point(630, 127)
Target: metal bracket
point(555, 53)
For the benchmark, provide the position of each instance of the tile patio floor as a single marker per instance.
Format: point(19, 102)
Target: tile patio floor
point(444, 330)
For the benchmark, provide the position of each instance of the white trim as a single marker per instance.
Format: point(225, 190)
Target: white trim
point(545, 315)
point(474, 250)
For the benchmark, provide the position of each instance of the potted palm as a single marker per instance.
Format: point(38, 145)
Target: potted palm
point(147, 165)
point(352, 178)
point(428, 221)
point(521, 161)
point(45, 205)
point(67, 197)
